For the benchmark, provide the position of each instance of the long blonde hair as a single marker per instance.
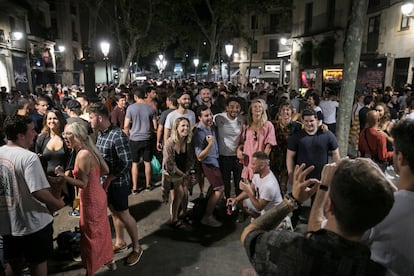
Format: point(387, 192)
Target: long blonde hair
point(80, 134)
point(174, 133)
point(262, 120)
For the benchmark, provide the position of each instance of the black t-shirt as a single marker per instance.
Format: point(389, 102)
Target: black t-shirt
point(312, 149)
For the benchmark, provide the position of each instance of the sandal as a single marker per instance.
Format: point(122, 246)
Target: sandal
point(119, 248)
point(179, 225)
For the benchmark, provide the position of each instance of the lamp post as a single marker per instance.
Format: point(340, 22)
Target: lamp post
point(229, 52)
point(105, 51)
point(407, 9)
point(196, 61)
point(161, 63)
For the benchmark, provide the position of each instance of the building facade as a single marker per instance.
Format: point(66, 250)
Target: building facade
point(65, 25)
point(14, 71)
point(265, 52)
point(318, 34)
point(32, 34)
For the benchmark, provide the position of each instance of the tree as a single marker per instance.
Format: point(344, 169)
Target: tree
point(133, 20)
point(352, 52)
point(216, 19)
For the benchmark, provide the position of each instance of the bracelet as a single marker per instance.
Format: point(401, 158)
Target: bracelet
point(291, 198)
point(323, 188)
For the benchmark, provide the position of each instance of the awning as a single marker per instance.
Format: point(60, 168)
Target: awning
point(269, 75)
point(234, 72)
point(254, 72)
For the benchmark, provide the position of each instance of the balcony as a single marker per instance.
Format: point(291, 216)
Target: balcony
point(271, 30)
point(270, 55)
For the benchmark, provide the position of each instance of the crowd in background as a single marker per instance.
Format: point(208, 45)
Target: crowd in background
point(254, 137)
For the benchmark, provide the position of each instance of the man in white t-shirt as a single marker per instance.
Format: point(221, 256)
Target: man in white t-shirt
point(329, 108)
point(229, 125)
point(183, 110)
point(26, 201)
point(263, 193)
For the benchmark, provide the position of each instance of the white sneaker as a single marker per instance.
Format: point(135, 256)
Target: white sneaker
point(211, 221)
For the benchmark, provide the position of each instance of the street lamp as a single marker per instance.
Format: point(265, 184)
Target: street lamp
point(15, 36)
point(407, 9)
point(161, 63)
point(229, 51)
point(196, 61)
point(105, 51)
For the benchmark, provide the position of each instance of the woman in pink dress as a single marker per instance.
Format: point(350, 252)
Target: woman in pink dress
point(258, 135)
point(96, 239)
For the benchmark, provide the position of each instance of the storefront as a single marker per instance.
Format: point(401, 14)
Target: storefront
point(371, 74)
point(332, 79)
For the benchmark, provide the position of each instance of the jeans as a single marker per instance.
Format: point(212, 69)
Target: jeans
point(230, 164)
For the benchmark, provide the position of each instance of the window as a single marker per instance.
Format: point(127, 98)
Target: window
point(273, 48)
point(405, 23)
point(331, 12)
point(254, 22)
point(308, 17)
point(373, 33)
point(254, 47)
point(12, 23)
point(74, 33)
point(73, 9)
point(274, 21)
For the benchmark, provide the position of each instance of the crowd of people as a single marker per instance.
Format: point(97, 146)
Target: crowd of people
point(277, 146)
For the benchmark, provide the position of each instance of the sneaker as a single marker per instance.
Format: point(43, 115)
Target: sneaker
point(134, 192)
point(74, 213)
point(190, 205)
point(211, 221)
point(111, 265)
point(134, 257)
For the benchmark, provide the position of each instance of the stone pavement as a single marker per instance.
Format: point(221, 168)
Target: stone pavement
point(201, 251)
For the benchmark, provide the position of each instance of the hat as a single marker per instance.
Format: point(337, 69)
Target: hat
point(73, 104)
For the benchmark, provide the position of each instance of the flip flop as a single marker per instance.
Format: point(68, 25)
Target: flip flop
point(119, 248)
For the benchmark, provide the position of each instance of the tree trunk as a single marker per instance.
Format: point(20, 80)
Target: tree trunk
point(131, 53)
point(352, 52)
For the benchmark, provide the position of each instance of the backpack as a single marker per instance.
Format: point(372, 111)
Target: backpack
point(69, 243)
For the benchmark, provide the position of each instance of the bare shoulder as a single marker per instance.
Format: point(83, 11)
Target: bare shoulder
point(85, 155)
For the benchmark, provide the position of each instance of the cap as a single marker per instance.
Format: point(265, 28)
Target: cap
point(73, 104)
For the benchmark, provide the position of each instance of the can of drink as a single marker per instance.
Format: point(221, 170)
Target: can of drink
point(190, 187)
point(229, 209)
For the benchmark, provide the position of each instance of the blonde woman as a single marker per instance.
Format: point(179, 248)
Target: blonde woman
point(96, 239)
point(178, 161)
point(258, 135)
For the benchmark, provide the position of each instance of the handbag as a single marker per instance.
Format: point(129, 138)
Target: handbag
point(155, 166)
